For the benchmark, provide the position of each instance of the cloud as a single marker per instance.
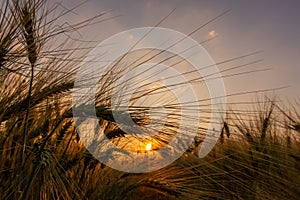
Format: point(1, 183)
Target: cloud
point(212, 33)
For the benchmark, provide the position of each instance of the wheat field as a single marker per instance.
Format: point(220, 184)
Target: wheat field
point(43, 157)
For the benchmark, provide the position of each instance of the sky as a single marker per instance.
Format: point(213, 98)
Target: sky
point(271, 26)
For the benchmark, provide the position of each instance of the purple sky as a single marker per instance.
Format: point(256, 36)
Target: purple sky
point(271, 26)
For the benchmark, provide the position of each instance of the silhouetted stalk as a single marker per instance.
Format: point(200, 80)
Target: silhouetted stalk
point(31, 176)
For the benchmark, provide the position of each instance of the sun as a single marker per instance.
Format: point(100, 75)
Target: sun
point(149, 147)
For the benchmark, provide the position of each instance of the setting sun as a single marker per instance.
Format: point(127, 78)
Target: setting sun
point(149, 147)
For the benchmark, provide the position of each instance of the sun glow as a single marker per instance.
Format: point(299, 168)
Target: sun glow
point(149, 147)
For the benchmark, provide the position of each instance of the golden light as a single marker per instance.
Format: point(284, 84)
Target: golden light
point(149, 147)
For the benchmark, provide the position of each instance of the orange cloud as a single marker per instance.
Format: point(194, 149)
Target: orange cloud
point(212, 33)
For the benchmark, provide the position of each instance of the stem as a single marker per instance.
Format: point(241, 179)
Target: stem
point(27, 113)
point(28, 99)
